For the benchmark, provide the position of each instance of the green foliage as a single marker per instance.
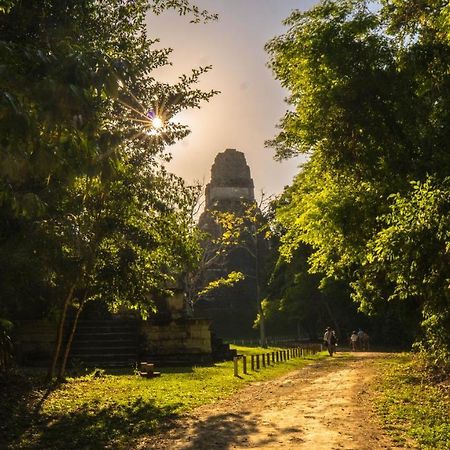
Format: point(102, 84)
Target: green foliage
point(249, 232)
point(411, 406)
point(235, 245)
point(217, 244)
point(369, 95)
point(6, 5)
point(82, 128)
point(230, 280)
point(298, 304)
point(87, 209)
point(412, 251)
point(183, 7)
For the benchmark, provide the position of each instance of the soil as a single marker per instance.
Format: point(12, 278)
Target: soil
point(324, 406)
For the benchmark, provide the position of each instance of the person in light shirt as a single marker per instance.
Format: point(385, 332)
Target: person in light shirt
point(330, 340)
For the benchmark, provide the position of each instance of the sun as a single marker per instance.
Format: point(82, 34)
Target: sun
point(157, 123)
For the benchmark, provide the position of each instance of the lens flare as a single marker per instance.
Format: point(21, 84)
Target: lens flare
point(157, 122)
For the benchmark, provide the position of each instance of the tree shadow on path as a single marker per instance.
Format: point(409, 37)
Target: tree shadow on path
point(221, 432)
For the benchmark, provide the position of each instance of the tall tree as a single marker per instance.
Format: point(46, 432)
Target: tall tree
point(370, 104)
point(87, 209)
point(249, 233)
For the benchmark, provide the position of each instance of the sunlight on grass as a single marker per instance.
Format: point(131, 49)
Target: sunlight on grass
point(411, 407)
point(99, 410)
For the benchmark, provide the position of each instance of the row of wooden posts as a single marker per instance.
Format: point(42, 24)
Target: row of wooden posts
point(270, 359)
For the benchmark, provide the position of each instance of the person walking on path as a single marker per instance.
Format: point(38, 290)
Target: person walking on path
point(363, 340)
point(330, 340)
point(354, 340)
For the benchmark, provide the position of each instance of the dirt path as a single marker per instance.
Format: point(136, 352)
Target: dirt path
point(320, 407)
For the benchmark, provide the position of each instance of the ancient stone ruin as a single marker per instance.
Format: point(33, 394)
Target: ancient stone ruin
point(232, 311)
point(230, 180)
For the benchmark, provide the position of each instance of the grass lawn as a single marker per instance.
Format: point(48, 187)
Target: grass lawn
point(109, 410)
point(411, 406)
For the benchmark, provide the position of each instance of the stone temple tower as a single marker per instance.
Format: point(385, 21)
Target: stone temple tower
point(230, 180)
point(231, 310)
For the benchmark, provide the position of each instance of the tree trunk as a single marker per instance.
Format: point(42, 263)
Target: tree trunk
point(60, 334)
point(62, 369)
point(262, 320)
point(262, 326)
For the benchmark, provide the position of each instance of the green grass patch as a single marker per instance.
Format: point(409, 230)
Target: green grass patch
point(411, 406)
point(111, 410)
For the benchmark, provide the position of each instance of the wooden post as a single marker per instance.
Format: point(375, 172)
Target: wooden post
point(263, 360)
point(235, 363)
point(257, 362)
point(268, 359)
point(244, 365)
point(252, 362)
point(273, 358)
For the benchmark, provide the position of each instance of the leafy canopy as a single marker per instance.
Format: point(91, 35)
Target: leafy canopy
point(370, 104)
point(84, 198)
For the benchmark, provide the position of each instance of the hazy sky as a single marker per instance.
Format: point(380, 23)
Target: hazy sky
point(251, 102)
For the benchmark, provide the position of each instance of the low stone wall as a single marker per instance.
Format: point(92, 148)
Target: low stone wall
point(188, 336)
point(185, 340)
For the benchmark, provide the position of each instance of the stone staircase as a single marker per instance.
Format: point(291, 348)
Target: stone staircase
point(106, 343)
